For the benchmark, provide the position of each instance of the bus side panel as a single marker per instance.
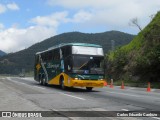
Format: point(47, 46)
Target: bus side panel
point(56, 80)
point(70, 82)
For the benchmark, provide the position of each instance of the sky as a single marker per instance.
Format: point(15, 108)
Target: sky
point(26, 22)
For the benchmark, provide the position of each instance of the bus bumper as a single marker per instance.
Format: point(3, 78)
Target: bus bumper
point(88, 83)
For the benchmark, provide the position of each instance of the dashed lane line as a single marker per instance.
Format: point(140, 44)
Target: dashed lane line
point(125, 110)
point(73, 96)
point(39, 87)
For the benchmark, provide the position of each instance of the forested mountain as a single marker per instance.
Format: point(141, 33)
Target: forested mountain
point(140, 59)
point(13, 63)
point(2, 53)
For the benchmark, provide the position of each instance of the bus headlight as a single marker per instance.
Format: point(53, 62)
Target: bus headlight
point(77, 78)
point(100, 79)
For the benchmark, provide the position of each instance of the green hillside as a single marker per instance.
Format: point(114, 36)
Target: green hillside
point(13, 63)
point(140, 59)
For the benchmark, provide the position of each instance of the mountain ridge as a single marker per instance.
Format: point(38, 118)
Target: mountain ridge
point(24, 59)
point(2, 53)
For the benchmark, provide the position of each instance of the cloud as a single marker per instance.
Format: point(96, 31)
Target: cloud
point(79, 4)
point(14, 39)
point(115, 14)
point(90, 14)
point(81, 16)
point(1, 26)
point(102, 4)
point(2, 8)
point(10, 6)
point(52, 20)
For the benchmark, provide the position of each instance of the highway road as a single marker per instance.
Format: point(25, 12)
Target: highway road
point(25, 94)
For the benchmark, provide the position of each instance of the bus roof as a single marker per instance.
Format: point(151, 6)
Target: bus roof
point(75, 44)
point(71, 44)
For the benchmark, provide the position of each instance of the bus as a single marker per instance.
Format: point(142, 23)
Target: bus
point(71, 65)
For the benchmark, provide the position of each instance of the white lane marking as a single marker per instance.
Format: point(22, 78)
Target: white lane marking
point(156, 118)
point(54, 109)
point(124, 94)
point(23, 83)
point(131, 88)
point(125, 110)
point(73, 96)
point(39, 87)
point(8, 78)
point(28, 78)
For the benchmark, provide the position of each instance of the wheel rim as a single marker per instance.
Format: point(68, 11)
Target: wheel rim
point(62, 84)
point(43, 81)
point(40, 81)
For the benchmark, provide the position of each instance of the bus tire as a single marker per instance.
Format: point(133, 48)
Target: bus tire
point(40, 81)
point(89, 88)
point(44, 81)
point(62, 83)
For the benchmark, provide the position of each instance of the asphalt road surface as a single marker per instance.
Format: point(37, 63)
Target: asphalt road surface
point(25, 94)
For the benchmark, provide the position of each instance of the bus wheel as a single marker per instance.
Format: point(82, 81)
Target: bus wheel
point(41, 81)
point(62, 83)
point(89, 88)
point(44, 81)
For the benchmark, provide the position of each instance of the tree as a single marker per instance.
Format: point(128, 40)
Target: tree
point(134, 22)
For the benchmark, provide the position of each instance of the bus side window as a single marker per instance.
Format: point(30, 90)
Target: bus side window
point(56, 55)
point(50, 56)
point(43, 57)
point(67, 64)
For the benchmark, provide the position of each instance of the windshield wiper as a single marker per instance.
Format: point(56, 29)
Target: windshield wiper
point(83, 65)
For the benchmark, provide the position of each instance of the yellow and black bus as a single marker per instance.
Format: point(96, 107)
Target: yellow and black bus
point(71, 65)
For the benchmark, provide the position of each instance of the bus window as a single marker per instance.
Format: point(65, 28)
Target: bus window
point(68, 64)
point(43, 57)
point(87, 65)
point(56, 54)
point(50, 56)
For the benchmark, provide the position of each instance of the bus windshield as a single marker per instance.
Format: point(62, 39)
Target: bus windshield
point(87, 65)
